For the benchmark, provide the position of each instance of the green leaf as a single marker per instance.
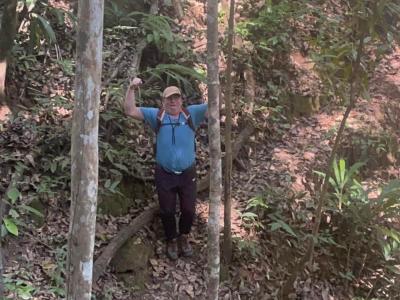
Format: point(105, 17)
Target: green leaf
point(53, 167)
point(13, 213)
point(342, 169)
point(32, 210)
point(336, 171)
point(13, 194)
point(287, 228)
point(275, 226)
point(121, 167)
point(30, 4)
point(116, 172)
point(46, 28)
point(107, 184)
point(320, 174)
point(114, 184)
point(392, 189)
point(10, 226)
point(354, 168)
point(249, 215)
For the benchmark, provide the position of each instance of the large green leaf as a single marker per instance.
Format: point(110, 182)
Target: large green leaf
point(10, 226)
point(13, 194)
point(46, 28)
point(342, 170)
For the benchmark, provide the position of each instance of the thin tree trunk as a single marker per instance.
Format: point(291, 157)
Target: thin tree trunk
point(1, 249)
point(7, 34)
point(309, 255)
point(328, 172)
point(215, 149)
point(178, 9)
point(228, 143)
point(84, 150)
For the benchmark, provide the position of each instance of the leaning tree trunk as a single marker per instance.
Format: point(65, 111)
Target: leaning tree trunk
point(287, 287)
point(7, 34)
point(84, 149)
point(228, 143)
point(354, 90)
point(215, 149)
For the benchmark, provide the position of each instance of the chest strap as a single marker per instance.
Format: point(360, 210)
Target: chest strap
point(185, 113)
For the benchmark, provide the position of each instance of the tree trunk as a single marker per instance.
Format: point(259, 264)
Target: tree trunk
point(328, 172)
point(178, 9)
point(1, 247)
point(227, 248)
point(84, 149)
point(7, 34)
point(215, 149)
point(309, 255)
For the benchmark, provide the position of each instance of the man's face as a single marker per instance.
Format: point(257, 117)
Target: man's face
point(173, 104)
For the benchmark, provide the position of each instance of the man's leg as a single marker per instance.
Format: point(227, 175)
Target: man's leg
point(187, 195)
point(167, 199)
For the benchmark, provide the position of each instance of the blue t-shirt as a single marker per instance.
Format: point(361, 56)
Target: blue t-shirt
point(175, 143)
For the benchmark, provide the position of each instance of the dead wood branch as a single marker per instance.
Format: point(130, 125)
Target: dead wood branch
point(108, 253)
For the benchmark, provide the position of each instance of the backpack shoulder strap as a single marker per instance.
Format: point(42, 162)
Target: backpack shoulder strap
point(188, 118)
point(160, 117)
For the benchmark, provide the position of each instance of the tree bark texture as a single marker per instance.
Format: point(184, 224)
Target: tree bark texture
point(1, 247)
point(215, 149)
point(227, 247)
point(7, 34)
point(84, 149)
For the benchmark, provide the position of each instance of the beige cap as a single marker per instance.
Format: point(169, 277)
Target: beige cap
point(171, 90)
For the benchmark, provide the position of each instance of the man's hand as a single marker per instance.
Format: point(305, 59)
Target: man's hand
point(135, 83)
point(130, 108)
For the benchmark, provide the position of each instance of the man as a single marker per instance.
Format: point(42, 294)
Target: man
point(175, 171)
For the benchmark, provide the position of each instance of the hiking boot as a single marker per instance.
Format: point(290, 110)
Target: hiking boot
point(185, 245)
point(172, 249)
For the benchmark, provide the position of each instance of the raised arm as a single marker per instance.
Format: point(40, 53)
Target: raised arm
point(130, 107)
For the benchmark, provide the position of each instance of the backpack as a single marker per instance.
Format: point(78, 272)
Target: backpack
point(160, 117)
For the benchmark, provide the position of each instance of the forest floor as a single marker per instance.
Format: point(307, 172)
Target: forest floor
point(278, 166)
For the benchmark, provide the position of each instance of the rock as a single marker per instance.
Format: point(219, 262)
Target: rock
point(131, 263)
point(130, 192)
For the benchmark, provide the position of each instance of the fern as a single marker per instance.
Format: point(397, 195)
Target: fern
point(157, 29)
point(176, 74)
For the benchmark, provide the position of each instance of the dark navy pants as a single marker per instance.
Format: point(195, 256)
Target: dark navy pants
point(169, 186)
